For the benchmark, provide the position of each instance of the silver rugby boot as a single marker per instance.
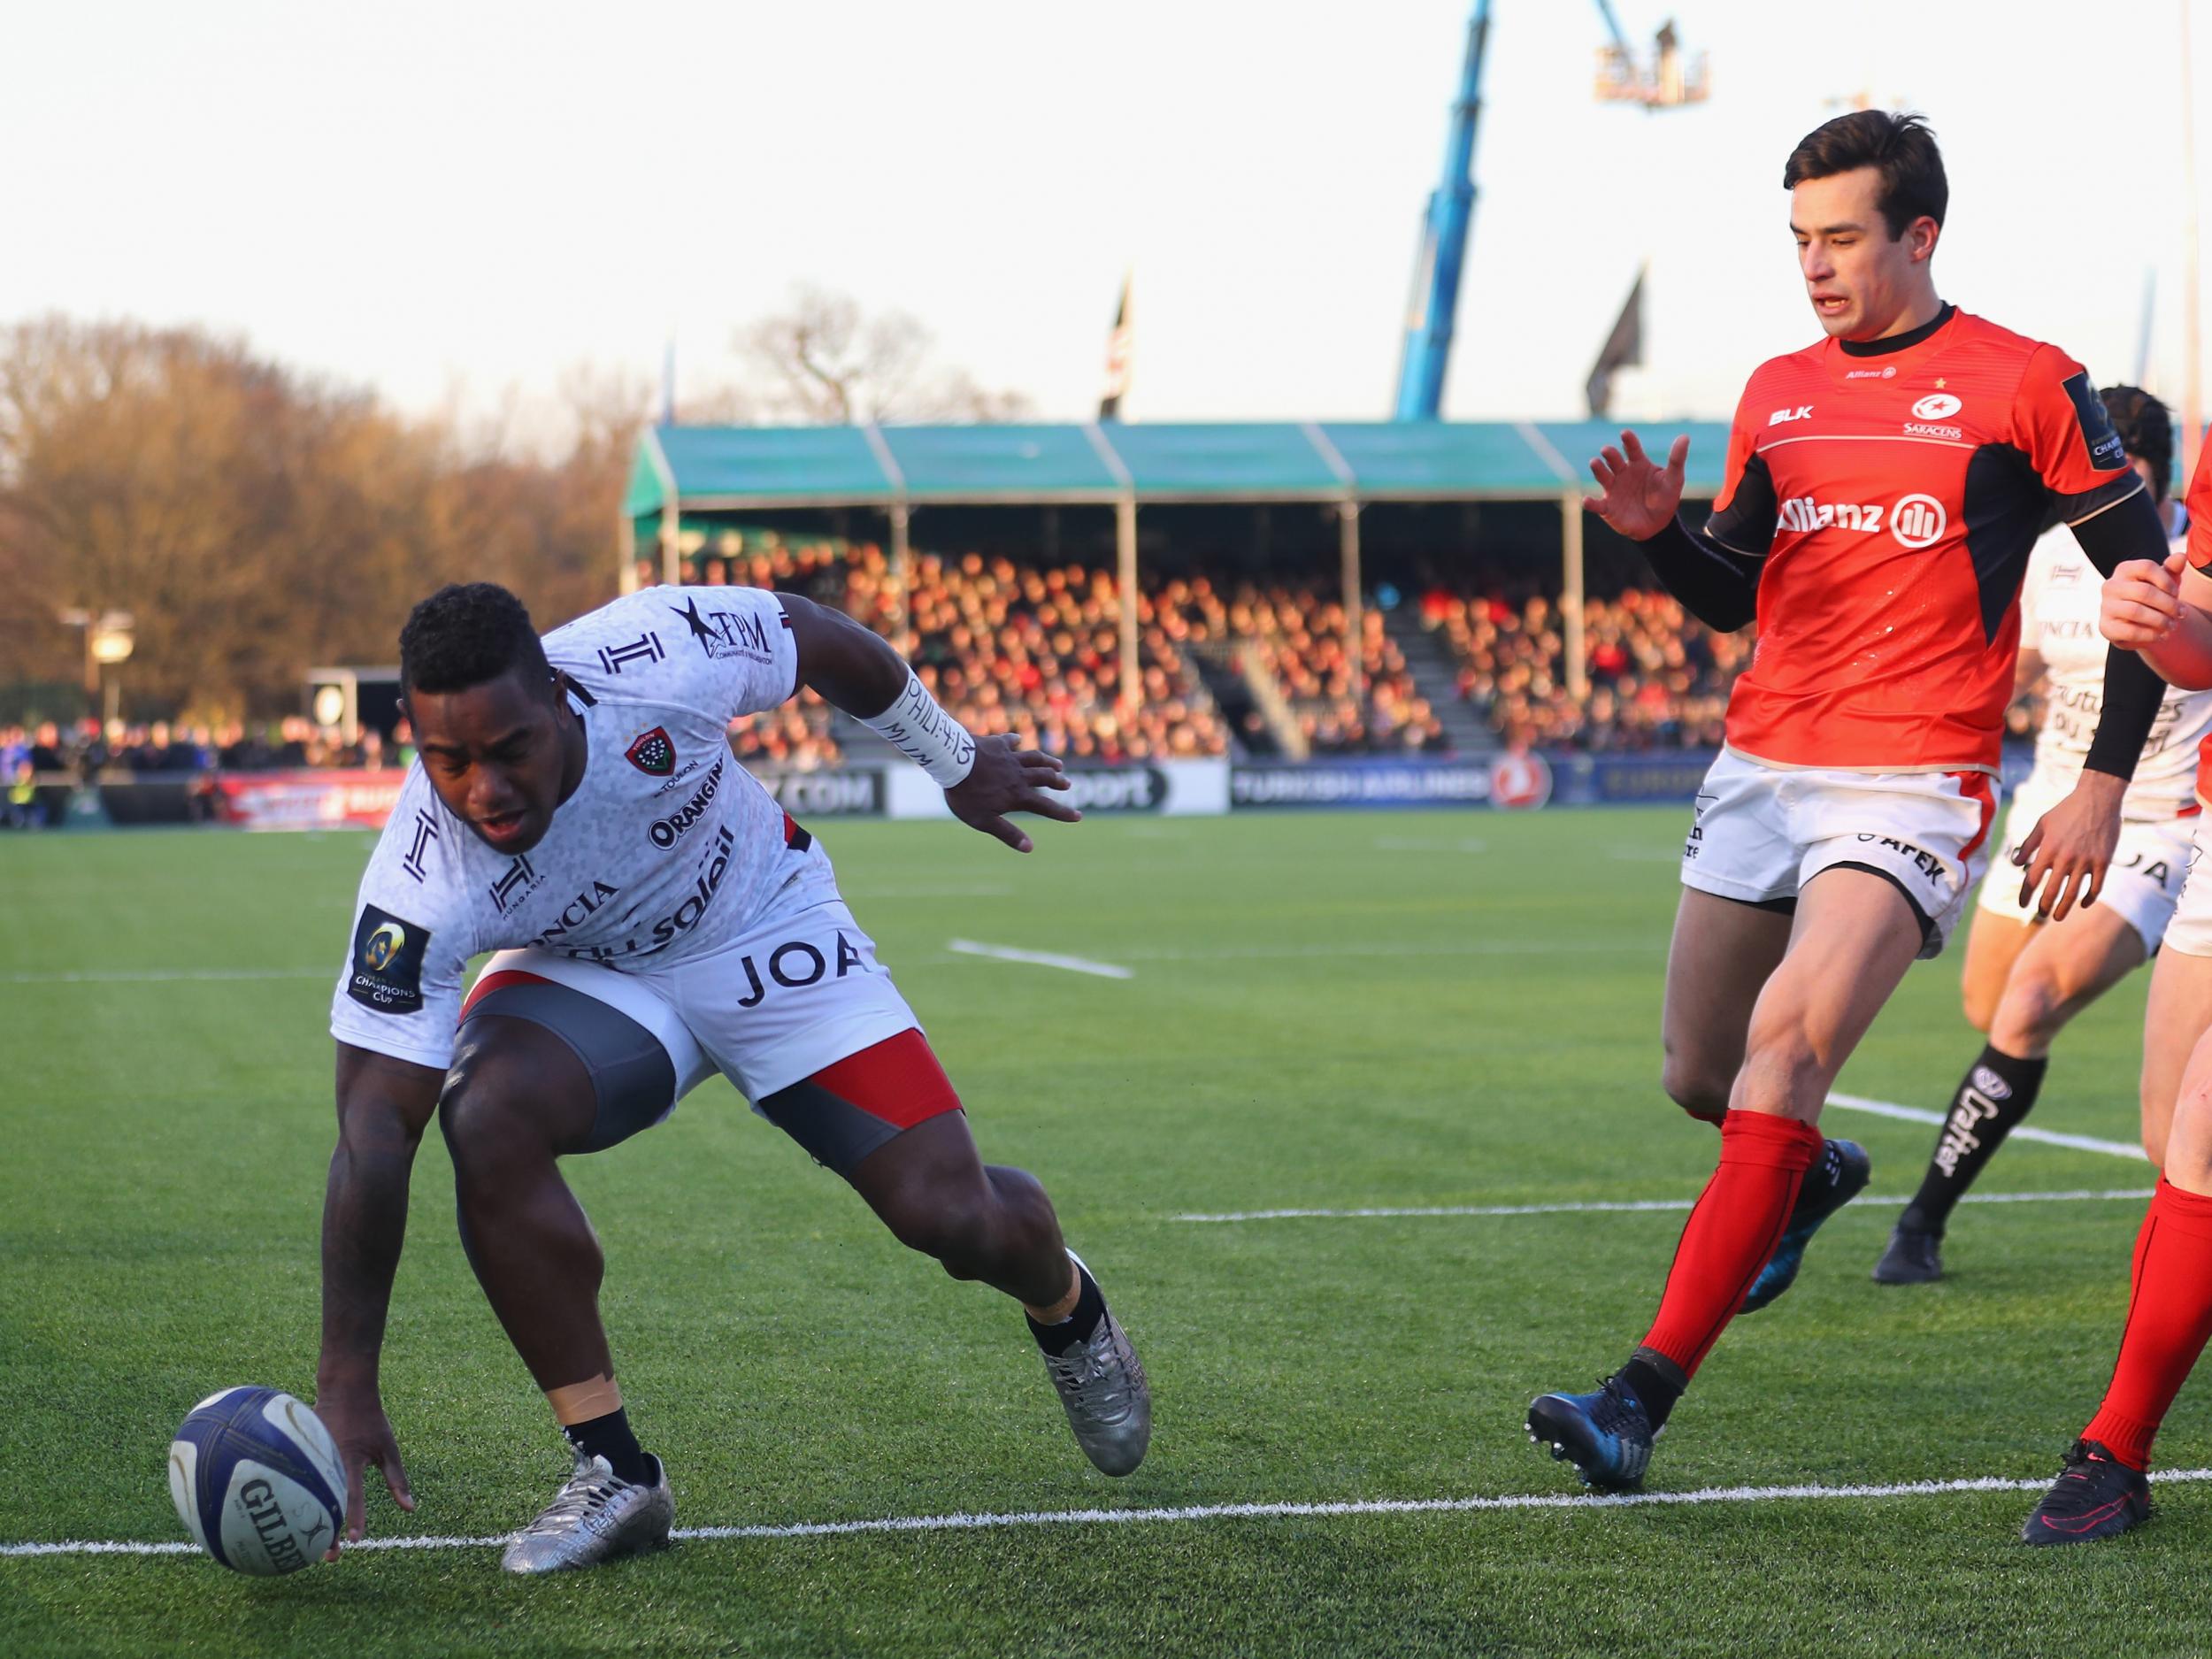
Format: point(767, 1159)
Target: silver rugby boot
point(1102, 1384)
point(594, 1517)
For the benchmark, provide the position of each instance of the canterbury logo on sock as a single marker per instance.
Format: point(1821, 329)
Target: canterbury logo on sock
point(1991, 1084)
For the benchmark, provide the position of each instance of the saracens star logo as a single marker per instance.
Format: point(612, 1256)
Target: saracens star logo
point(651, 752)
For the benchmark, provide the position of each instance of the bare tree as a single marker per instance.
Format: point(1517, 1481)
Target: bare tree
point(823, 362)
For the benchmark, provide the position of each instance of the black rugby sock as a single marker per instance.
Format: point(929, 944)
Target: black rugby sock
point(1090, 1308)
point(1657, 1381)
point(609, 1437)
point(1995, 1094)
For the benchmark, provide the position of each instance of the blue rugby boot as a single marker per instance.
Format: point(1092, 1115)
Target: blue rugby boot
point(1839, 1176)
point(1606, 1435)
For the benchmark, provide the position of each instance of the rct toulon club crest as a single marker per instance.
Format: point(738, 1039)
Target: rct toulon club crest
point(652, 752)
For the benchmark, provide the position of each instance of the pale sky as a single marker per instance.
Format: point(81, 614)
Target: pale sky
point(456, 203)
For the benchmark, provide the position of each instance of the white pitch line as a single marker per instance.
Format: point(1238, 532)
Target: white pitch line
point(161, 976)
point(963, 1523)
point(2024, 1131)
point(1629, 1207)
point(1041, 959)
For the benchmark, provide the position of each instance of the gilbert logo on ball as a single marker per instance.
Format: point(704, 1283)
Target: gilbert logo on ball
point(257, 1481)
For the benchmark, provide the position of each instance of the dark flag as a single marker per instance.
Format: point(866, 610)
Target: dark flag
point(1119, 346)
point(1624, 348)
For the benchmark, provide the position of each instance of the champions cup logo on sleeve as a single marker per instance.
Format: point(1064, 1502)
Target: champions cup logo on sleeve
point(386, 969)
point(2107, 453)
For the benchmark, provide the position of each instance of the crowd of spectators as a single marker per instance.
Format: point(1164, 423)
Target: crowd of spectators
point(1034, 649)
point(1658, 678)
point(1030, 650)
point(1295, 633)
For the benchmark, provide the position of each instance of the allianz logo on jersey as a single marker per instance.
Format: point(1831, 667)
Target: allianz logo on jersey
point(1916, 521)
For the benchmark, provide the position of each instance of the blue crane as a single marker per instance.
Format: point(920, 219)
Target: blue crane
point(1451, 210)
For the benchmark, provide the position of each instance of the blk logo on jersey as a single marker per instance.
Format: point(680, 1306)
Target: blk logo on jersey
point(386, 973)
point(512, 888)
point(723, 633)
point(645, 648)
point(425, 832)
point(652, 753)
point(1783, 417)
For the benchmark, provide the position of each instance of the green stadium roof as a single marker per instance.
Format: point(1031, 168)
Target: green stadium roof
point(710, 469)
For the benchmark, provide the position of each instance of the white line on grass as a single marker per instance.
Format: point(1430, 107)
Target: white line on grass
point(1635, 1206)
point(960, 1522)
point(1040, 958)
point(2024, 1131)
point(161, 976)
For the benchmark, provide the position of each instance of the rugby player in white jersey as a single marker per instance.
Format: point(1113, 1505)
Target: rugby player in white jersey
point(2029, 971)
point(658, 918)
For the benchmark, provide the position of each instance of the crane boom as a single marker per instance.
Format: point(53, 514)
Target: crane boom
point(1451, 210)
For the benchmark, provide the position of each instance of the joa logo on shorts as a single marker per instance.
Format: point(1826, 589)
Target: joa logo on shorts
point(1916, 521)
point(384, 945)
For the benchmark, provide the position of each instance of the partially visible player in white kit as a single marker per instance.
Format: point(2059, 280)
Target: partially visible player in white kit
point(658, 918)
point(2028, 974)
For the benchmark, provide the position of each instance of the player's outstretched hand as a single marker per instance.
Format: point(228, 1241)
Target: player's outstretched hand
point(355, 1420)
point(1637, 496)
point(2141, 602)
point(2071, 846)
point(1010, 778)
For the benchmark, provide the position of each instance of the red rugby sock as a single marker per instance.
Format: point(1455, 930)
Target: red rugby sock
point(1732, 1232)
point(2170, 1316)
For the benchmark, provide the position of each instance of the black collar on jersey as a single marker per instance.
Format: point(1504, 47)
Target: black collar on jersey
point(1888, 343)
point(575, 690)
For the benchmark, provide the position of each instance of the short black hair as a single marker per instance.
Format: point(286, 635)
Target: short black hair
point(2146, 429)
point(1903, 147)
point(465, 634)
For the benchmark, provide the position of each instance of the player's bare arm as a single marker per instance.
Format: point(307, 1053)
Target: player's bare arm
point(383, 1106)
point(984, 778)
point(2162, 611)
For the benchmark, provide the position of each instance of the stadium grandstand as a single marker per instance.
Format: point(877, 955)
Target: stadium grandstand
point(1125, 592)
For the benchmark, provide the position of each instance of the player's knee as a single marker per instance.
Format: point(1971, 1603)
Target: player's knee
point(1979, 1007)
point(479, 1115)
point(951, 1222)
point(2029, 1015)
point(1699, 1089)
point(1783, 1073)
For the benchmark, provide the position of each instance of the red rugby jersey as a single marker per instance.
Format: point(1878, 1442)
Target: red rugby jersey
point(2199, 503)
point(1896, 491)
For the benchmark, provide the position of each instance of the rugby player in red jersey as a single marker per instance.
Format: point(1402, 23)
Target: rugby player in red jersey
point(1882, 491)
point(2164, 611)
point(658, 918)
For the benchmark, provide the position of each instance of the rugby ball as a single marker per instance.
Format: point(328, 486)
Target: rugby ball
point(258, 1480)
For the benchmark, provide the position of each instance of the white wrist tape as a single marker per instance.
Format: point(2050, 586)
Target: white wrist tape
point(920, 729)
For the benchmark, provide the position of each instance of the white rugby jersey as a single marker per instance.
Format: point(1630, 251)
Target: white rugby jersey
point(2059, 599)
point(667, 848)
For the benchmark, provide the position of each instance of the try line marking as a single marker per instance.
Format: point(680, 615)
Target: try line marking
point(1633, 1206)
point(1200, 1512)
point(2026, 1132)
point(1041, 959)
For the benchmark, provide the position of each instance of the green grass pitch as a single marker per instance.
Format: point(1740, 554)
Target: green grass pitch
point(1327, 1011)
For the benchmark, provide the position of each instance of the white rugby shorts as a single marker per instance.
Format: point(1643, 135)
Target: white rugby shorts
point(793, 995)
point(2191, 929)
point(2142, 887)
point(1761, 831)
